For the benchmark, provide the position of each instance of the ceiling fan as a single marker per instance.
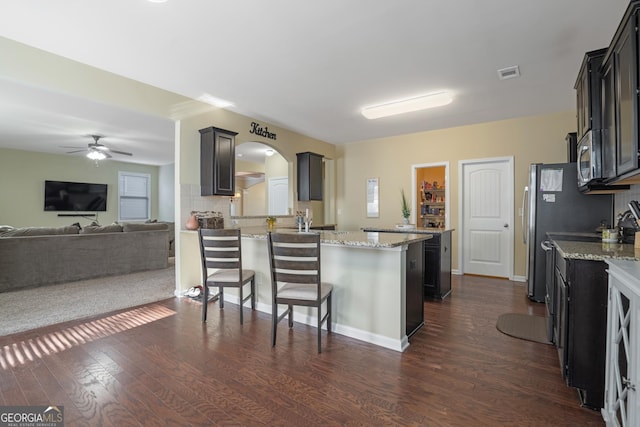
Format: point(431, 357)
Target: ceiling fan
point(97, 151)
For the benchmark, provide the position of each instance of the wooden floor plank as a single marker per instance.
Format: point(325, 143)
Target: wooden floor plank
point(141, 369)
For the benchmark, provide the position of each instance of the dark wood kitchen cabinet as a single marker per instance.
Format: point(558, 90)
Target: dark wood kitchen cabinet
point(437, 266)
point(217, 162)
point(310, 176)
point(413, 297)
point(581, 321)
point(588, 91)
point(608, 132)
point(620, 101)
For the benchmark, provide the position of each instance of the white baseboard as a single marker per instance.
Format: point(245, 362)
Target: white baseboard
point(382, 341)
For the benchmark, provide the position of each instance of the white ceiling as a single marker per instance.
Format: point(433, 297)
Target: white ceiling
point(306, 66)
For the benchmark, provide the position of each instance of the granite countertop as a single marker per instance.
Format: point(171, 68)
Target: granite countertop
point(596, 251)
point(414, 230)
point(348, 238)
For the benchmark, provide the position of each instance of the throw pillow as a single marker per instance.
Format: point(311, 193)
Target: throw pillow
point(41, 231)
point(93, 229)
point(132, 226)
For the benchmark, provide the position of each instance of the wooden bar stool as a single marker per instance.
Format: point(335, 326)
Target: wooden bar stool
point(295, 278)
point(221, 249)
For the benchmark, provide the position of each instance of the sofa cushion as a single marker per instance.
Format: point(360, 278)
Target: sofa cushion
point(41, 231)
point(111, 228)
point(132, 226)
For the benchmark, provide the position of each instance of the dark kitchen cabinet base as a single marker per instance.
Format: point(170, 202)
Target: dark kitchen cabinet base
point(437, 266)
point(414, 301)
point(582, 320)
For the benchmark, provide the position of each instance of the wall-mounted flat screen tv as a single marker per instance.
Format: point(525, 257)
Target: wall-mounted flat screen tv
point(75, 196)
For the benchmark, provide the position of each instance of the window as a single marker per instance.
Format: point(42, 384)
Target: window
point(134, 191)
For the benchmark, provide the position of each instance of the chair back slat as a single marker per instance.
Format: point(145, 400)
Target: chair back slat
point(295, 265)
point(294, 251)
point(296, 278)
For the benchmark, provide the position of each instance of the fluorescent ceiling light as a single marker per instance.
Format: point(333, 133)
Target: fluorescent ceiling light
point(96, 155)
point(408, 105)
point(216, 102)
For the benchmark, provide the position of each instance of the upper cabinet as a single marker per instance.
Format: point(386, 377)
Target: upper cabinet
point(608, 105)
point(588, 92)
point(620, 107)
point(310, 176)
point(217, 162)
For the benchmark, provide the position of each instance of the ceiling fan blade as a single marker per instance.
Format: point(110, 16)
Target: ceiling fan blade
point(69, 146)
point(76, 151)
point(121, 152)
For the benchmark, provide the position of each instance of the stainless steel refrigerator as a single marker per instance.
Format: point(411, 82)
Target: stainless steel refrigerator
point(552, 202)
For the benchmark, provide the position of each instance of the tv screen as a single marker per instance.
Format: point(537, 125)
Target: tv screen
point(74, 196)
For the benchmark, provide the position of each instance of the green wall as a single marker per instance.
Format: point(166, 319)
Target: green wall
point(22, 176)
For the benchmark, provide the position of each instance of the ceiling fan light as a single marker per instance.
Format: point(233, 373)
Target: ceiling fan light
point(417, 103)
point(96, 155)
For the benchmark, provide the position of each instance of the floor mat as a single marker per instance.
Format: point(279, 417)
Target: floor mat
point(523, 326)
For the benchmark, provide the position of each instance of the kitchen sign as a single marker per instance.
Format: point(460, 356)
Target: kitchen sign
point(256, 129)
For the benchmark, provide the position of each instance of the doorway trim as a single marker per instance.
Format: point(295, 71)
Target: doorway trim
point(462, 209)
point(447, 192)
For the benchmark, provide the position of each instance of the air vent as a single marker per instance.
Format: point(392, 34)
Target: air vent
point(509, 72)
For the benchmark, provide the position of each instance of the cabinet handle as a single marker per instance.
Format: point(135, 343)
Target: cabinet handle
point(628, 384)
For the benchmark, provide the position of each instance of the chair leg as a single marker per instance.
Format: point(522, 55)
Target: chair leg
point(329, 313)
point(241, 306)
point(221, 296)
point(205, 298)
point(290, 316)
point(320, 328)
point(253, 293)
point(274, 323)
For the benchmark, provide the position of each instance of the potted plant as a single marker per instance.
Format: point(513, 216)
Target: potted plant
point(406, 212)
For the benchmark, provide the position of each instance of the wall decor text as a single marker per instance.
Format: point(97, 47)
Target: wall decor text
point(259, 130)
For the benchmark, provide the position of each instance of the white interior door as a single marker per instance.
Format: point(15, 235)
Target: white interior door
point(487, 217)
point(278, 194)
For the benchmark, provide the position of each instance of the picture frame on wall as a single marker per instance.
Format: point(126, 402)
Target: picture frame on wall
point(373, 198)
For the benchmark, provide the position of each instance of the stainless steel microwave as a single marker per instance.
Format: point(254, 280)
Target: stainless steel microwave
point(589, 158)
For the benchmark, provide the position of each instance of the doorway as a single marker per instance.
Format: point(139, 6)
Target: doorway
point(486, 217)
point(278, 196)
point(430, 189)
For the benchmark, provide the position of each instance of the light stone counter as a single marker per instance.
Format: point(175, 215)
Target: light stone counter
point(597, 251)
point(360, 239)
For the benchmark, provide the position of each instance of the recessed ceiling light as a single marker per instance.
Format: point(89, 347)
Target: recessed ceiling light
point(239, 155)
point(417, 103)
point(269, 152)
point(216, 102)
point(158, 1)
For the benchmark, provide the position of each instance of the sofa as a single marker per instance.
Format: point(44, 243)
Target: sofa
point(39, 256)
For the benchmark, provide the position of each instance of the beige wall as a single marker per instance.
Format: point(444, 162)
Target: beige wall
point(539, 139)
point(22, 176)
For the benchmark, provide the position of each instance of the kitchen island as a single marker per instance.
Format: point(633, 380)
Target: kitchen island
point(437, 258)
point(377, 279)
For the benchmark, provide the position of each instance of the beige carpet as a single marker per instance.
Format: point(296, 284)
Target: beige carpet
point(524, 326)
point(34, 308)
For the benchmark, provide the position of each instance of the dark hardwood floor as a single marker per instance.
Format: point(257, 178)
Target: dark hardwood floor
point(158, 365)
